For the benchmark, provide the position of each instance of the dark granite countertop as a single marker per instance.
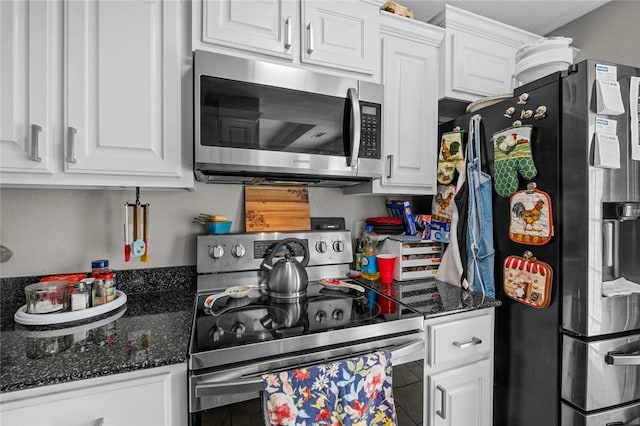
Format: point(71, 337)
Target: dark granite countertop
point(151, 330)
point(435, 298)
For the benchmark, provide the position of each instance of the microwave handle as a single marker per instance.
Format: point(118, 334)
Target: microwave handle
point(352, 94)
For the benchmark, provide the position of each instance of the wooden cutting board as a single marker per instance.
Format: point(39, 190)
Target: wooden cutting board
point(276, 208)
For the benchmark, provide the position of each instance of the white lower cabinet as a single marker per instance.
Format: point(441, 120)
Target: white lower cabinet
point(156, 396)
point(459, 369)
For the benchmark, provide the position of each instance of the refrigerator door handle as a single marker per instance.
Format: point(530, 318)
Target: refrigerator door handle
point(621, 358)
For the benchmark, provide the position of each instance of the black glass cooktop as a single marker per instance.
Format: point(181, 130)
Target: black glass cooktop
point(258, 317)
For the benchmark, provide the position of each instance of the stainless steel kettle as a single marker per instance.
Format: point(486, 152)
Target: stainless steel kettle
point(287, 277)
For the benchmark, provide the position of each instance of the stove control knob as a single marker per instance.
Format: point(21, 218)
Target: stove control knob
point(216, 251)
point(338, 246)
point(321, 247)
point(321, 316)
point(238, 328)
point(238, 250)
point(338, 314)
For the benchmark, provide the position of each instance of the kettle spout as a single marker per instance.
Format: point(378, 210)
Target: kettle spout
point(265, 266)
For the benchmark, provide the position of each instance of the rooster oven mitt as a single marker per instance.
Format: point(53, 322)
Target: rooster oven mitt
point(451, 157)
point(528, 280)
point(531, 219)
point(512, 155)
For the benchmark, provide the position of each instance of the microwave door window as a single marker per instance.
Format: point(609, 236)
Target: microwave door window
point(252, 116)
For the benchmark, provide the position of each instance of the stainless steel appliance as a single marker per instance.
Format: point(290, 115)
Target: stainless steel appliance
point(256, 119)
point(578, 361)
point(239, 339)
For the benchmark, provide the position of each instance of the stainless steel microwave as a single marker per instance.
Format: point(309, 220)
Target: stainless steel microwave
point(257, 120)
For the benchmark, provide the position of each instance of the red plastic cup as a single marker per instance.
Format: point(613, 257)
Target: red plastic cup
point(386, 266)
point(387, 305)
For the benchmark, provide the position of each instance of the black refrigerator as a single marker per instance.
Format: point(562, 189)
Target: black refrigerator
point(557, 365)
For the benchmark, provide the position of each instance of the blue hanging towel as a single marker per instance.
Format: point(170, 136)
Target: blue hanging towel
point(480, 251)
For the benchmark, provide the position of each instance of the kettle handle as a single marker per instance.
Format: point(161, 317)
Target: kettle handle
point(266, 263)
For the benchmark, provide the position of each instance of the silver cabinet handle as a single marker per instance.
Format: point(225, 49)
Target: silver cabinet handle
point(287, 33)
point(474, 341)
point(443, 403)
point(621, 358)
point(310, 31)
point(71, 146)
point(35, 129)
point(352, 94)
point(390, 163)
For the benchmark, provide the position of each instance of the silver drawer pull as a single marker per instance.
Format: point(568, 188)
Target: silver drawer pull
point(474, 341)
point(35, 129)
point(287, 33)
point(71, 158)
point(620, 358)
point(443, 403)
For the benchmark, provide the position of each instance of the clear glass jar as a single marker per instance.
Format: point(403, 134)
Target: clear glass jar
point(79, 296)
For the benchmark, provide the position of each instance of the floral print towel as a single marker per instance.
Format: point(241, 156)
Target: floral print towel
point(356, 391)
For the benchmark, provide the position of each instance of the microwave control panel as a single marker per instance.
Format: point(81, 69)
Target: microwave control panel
point(370, 130)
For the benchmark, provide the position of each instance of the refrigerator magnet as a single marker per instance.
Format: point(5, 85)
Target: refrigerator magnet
point(531, 220)
point(528, 280)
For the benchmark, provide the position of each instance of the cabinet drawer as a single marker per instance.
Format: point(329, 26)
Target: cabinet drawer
point(459, 339)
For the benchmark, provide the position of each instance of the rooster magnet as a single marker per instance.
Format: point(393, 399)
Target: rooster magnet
point(531, 218)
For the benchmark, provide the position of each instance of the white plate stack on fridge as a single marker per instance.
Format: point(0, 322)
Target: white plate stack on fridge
point(415, 259)
point(542, 57)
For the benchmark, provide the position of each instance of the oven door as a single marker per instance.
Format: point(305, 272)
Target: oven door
point(232, 396)
point(252, 116)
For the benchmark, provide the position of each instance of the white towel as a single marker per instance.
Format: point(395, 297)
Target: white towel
point(619, 287)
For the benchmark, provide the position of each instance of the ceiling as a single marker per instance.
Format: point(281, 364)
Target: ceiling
point(537, 16)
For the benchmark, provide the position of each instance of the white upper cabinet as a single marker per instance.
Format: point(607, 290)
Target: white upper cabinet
point(334, 36)
point(478, 58)
point(341, 34)
point(110, 102)
point(26, 84)
point(410, 55)
point(266, 27)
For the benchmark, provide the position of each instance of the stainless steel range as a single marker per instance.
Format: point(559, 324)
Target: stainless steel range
point(238, 339)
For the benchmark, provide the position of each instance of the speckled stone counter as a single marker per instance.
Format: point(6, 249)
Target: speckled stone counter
point(434, 298)
point(150, 330)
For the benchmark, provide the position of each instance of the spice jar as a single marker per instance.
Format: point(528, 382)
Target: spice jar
point(79, 296)
point(104, 286)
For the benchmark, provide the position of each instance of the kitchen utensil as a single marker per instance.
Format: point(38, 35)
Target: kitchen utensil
point(145, 225)
point(287, 277)
point(218, 227)
point(336, 284)
point(281, 208)
point(127, 244)
point(236, 292)
point(137, 247)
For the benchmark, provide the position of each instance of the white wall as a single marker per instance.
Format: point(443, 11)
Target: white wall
point(609, 33)
point(54, 231)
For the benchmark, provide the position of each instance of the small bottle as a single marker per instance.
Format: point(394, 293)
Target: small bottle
point(368, 262)
point(79, 297)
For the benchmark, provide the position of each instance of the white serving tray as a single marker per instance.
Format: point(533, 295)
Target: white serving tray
point(22, 317)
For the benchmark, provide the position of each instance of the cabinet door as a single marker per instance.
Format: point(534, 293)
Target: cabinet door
point(26, 132)
point(341, 34)
point(461, 397)
point(481, 67)
point(410, 114)
point(267, 26)
point(122, 87)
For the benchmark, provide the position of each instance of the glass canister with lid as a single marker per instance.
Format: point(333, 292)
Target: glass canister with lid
point(104, 286)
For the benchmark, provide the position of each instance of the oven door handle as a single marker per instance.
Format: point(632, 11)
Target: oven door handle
point(412, 350)
point(621, 358)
